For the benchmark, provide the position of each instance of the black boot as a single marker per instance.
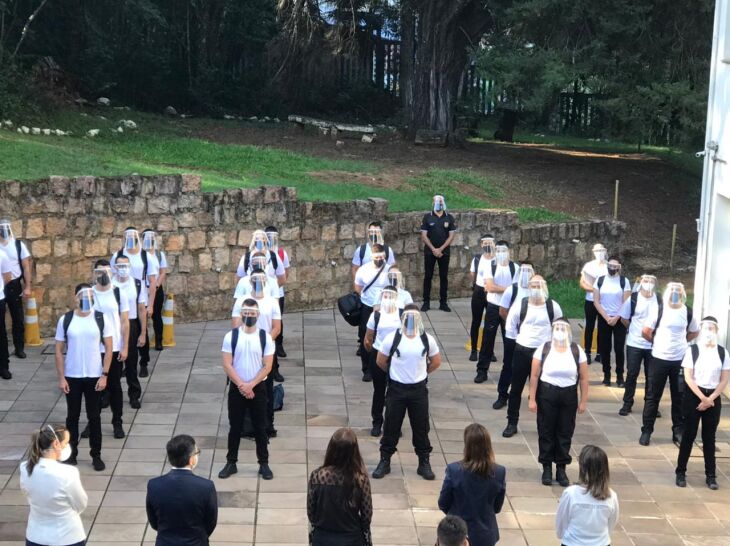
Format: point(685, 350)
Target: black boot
point(711, 482)
point(473, 356)
point(681, 479)
point(625, 409)
point(377, 429)
point(547, 474)
point(561, 476)
point(229, 470)
point(510, 430)
point(607, 378)
point(424, 469)
point(382, 469)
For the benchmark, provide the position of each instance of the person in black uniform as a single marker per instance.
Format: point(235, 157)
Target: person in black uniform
point(437, 232)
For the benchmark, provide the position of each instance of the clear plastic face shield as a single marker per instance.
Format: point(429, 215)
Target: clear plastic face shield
point(439, 203)
point(149, 241)
point(395, 278)
point(102, 276)
point(388, 301)
point(708, 334)
point(85, 300)
point(501, 255)
point(258, 283)
point(614, 268)
point(600, 253)
point(412, 323)
point(259, 262)
point(647, 285)
point(122, 270)
point(259, 242)
point(379, 259)
point(249, 315)
point(375, 235)
point(526, 273)
point(674, 295)
point(538, 291)
point(562, 335)
point(6, 230)
point(487, 244)
point(273, 238)
point(131, 239)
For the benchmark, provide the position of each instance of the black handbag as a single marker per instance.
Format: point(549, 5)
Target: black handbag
point(350, 305)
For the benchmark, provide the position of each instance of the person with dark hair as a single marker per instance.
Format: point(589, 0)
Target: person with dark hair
point(438, 229)
point(706, 372)
point(54, 491)
point(364, 253)
point(20, 285)
point(81, 372)
point(478, 295)
point(452, 531)
point(588, 512)
point(182, 507)
point(588, 275)
point(474, 488)
point(339, 504)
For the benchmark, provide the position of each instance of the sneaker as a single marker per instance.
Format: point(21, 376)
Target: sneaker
point(105, 399)
point(134, 402)
point(85, 432)
point(5, 374)
point(547, 474)
point(97, 463)
point(658, 414)
point(382, 469)
point(607, 379)
point(561, 477)
point(711, 482)
point(473, 356)
point(144, 371)
point(681, 479)
point(271, 432)
point(510, 430)
point(424, 470)
point(265, 472)
point(377, 430)
point(358, 352)
point(278, 377)
point(499, 404)
point(598, 358)
point(625, 410)
point(229, 470)
point(118, 432)
point(645, 438)
point(20, 353)
point(481, 377)
point(677, 439)
point(444, 307)
point(425, 307)
point(280, 352)
point(158, 346)
point(588, 357)
point(366, 376)
point(620, 380)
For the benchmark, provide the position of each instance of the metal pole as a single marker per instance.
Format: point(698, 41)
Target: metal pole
point(674, 242)
point(615, 202)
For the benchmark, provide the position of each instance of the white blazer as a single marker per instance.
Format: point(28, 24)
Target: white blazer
point(56, 499)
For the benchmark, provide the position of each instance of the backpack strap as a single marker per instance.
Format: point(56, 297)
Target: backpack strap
point(362, 250)
point(387, 253)
point(573, 349)
point(66, 323)
point(99, 318)
point(426, 345)
point(624, 282)
point(576, 354)
point(143, 255)
point(234, 341)
point(274, 261)
point(512, 269)
point(246, 261)
point(660, 312)
point(494, 268)
point(514, 294)
point(475, 263)
point(376, 319)
point(689, 316)
point(523, 312)
point(20, 261)
point(394, 347)
point(549, 305)
point(600, 281)
point(262, 340)
point(695, 354)
point(721, 352)
point(138, 286)
point(117, 296)
point(634, 298)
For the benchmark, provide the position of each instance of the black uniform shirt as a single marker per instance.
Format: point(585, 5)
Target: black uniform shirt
point(437, 228)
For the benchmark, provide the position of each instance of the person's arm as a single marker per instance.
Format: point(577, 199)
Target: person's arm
point(503, 312)
point(211, 517)
point(583, 378)
point(77, 497)
point(356, 286)
point(499, 499)
point(27, 276)
point(534, 378)
point(353, 271)
point(7, 277)
point(230, 370)
point(311, 500)
point(689, 378)
point(448, 241)
point(586, 281)
point(281, 279)
point(366, 506)
point(724, 376)
point(446, 498)
point(275, 328)
point(427, 241)
point(693, 330)
point(106, 364)
point(153, 293)
point(151, 513)
point(268, 364)
point(369, 335)
point(562, 516)
point(142, 316)
point(597, 303)
point(491, 286)
point(382, 361)
point(613, 517)
point(124, 320)
point(434, 363)
point(241, 270)
point(62, 383)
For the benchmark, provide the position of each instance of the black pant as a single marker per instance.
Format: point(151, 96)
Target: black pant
point(491, 324)
point(634, 358)
point(591, 314)
point(399, 399)
point(159, 300)
point(361, 329)
point(4, 358)
point(430, 264)
point(710, 419)
point(114, 389)
point(606, 333)
point(29, 543)
point(556, 411)
point(14, 303)
point(280, 338)
point(134, 389)
point(237, 406)
point(380, 382)
point(659, 372)
point(505, 376)
point(521, 368)
point(84, 387)
point(269, 383)
point(478, 305)
point(321, 537)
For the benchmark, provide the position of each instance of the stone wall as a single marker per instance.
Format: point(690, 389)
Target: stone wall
point(70, 222)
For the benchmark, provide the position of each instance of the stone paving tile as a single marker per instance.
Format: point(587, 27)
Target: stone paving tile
point(323, 392)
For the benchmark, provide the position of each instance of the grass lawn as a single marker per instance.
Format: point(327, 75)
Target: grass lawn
point(569, 295)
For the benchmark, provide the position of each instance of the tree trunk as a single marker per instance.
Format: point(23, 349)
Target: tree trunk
point(407, 51)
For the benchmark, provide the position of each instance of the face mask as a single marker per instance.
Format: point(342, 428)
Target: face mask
point(502, 256)
point(613, 270)
point(675, 298)
point(487, 249)
point(5, 232)
point(373, 238)
point(257, 287)
point(259, 245)
point(85, 305)
point(600, 255)
point(438, 206)
point(536, 293)
point(130, 241)
point(388, 305)
point(410, 325)
point(708, 338)
point(561, 336)
point(65, 453)
point(122, 272)
point(379, 262)
point(647, 287)
point(249, 321)
point(272, 239)
point(103, 279)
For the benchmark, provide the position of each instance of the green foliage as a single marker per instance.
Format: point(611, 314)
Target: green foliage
point(534, 215)
point(568, 294)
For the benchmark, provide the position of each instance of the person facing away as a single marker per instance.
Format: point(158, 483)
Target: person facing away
point(452, 531)
point(339, 504)
point(182, 507)
point(474, 488)
point(588, 511)
point(54, 491)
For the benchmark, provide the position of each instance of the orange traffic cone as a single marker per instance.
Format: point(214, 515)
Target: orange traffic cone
point(32, 328)
point(168, 321)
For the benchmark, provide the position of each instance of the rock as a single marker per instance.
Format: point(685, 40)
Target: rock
point(19, 130)
point(648, 264)
point(84, 115)
point(25, 129)
point(185, 116)
point(127, 124)
point(47, 132)
point(267, 118)
point(103, 101)
point(120, 129)
point(8, 123)
point(91, 133)
point(228, 116)
point(169, 111)
point(324, 130)
point(253, 118)
point(81, 101)
point(102, 118)
point(35, 131)
point(368, 139)
point(58, 132)
point(277, 120)
point(340, 144)
point(122, 108)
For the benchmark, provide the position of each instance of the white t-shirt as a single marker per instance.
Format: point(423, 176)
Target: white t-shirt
point(368, 256)
point(404, 298)
point(16, 268)
point(708, 367)
point(136, 265)
point(670, 339)
point(559, 368)
point(612, 293)
point(248, 361)
point(243, 288)
point(479, 280)
point(591, 271)
point(106, 302)
point(128, 290)
point(364, 275)
point(285, 262)
point(268, 311)
point(502, 277)
point(410, 367)
point(83, 358)
point(536, 329)
point(162, 259)
point(388, 323)
point(507, 298)
point(270, 270)
point(644, 307)
point(583, 520)
point(4, 268)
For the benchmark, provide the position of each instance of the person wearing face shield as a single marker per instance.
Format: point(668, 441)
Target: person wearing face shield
point(269, 320)
point(54, 491)
point(610, 292)
point(364, 253)
point(706, 372)
point(260, 245)
point(248, 358)
point(529, 323)
point(157, 299)
point(395, 279)
point(479, 296)
point(259, 261)
point(20, 284)
point(496, 276)
point(272, 234)
point(370, 279)
point(588, 275)
point(438, 229)
point(384, 320)
point(669, 329)
point(557, 369)
point(131, 289)
point(83, 371)
point(408, 355)
point(514, 293)
point(5, 278)
point(634, 312)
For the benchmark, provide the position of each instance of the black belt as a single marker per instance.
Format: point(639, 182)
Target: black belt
point(706, 392)
point(409, 385)
point(546, 385)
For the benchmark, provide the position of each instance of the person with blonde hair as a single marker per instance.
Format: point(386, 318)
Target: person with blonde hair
point(339, 503)
point(474, 488)
point(54, 491)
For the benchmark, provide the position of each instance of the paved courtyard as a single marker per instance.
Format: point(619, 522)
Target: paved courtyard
point(184, 394)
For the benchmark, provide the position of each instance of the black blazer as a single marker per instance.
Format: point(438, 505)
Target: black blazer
point(476, 500)
point(182, 508)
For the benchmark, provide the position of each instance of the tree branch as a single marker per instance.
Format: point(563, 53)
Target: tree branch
point(27, 26)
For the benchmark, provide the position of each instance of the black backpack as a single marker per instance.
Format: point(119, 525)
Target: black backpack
point(363, 249)
point(661, 311)
point(573, 349)
point(20, 262)
point(523, 311)
point(515, 289)
point(396, 341)
point(234, 342)
point(634, 299)
point(98, 316)
point(272, 257)
point(624, 282)
point(512, 269)
point(696, 354)
point(143, 255)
